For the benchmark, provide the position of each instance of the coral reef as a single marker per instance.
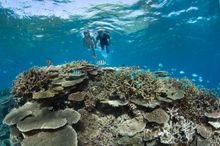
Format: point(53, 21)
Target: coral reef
point(33, 80)
point(131, 127)
point(65, 136)
point(158, 116)
point(78, 103)
point(178, 129)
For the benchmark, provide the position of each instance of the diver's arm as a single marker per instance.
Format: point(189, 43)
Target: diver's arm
point(109, 39)
point(94, 41)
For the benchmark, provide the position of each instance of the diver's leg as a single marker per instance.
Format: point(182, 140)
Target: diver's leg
point(107, 49)
point(93, 51)
point(94, 54)
point(102, 46)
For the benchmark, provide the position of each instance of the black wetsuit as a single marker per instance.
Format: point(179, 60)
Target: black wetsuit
point(103, 40)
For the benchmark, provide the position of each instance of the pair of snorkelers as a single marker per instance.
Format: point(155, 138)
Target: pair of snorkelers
point(103, 37)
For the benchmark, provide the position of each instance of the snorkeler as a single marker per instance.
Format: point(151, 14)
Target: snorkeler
point(104, 38)
point(89, 41)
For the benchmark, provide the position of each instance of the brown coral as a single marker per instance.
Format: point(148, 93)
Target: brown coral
point(30, 81)
point(158, 115)
point(128, 84)
point(195, 106)
point(65, 136)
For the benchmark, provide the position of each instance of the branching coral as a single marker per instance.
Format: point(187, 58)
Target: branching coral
point(186, 85)
point(69, 67)
point(196, 101)
point(30, 81)
point(178, 129)
point(128, 83)
point(195, 106)
point(168, 133)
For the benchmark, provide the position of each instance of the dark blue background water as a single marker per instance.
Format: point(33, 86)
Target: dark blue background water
point(179, 36)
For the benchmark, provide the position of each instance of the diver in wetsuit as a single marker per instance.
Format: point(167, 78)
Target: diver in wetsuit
point(104, 38)
point(89, 41)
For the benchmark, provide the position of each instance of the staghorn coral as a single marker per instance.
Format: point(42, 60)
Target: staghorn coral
point(90, 101)
point(168, 133)
point(33, 80)
point(177, 130)
point(69, 67)
point(195, 106)
point(196, 102)
point(128, 84)
point(215, 141)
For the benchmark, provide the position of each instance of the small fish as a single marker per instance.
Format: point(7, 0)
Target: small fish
point(39, 36)
point(193, 80)
point(101, 62)
point(135, 68)
point(10, 61)
point(160, 65)
point(200, 86)
point(145, 67)
point(200, 80)
point(77, 73)
point(182, 72)
point(194, 75)
point(173, 69)
point(49, 62)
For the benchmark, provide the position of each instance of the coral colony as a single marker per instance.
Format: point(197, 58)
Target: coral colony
point(87, 105)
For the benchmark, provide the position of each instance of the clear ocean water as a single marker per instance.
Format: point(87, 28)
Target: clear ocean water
point(179, 36)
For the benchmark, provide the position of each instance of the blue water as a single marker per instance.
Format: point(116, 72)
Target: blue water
point(182, 37)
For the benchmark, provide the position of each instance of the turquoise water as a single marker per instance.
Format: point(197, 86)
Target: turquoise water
point(179, 36)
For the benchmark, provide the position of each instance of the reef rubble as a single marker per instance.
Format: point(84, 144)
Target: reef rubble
point(81, 104)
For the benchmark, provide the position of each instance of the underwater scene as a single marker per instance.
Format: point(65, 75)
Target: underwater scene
point(109, 73)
